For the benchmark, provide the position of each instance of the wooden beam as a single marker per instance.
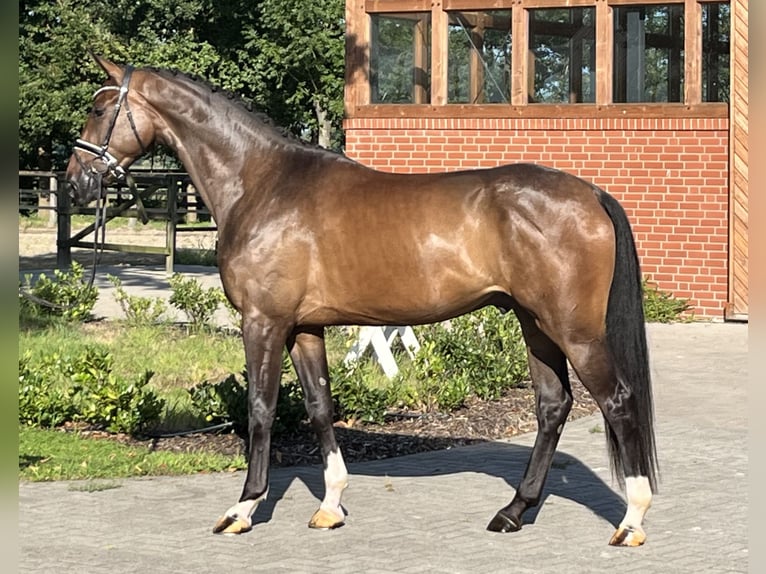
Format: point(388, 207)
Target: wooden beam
point(478, 5)
point(520, 56)
point(420, 40)
point(692, 52)
point(738, 292)
point(476, 66)
point(550, 111)
point(439, 53)
point(373, 6)
point(357, 73)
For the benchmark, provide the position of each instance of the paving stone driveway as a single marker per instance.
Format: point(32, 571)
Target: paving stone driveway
point(428, 512)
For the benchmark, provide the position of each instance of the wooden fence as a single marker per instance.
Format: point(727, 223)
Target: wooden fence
point(165, 196)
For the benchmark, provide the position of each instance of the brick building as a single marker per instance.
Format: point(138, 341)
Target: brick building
point(646, 99)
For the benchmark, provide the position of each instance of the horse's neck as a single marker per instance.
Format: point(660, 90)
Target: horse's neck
point(214, 151)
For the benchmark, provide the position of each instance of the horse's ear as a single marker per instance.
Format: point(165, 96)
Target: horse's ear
point(113, 70)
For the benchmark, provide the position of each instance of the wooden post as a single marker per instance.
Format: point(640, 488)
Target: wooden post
point(64, 228)
point(52, 200)
point(439, 53)
point(520, 56)
point(170, 225)
point(604, 52)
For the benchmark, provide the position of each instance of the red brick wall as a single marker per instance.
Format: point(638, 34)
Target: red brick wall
point(671, 175)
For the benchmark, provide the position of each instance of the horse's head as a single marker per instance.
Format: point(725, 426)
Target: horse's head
point(119, 129)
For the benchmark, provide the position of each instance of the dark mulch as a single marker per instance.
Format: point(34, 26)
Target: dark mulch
point(401, 434)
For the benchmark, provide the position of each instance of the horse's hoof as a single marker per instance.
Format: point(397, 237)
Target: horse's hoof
point(627, 536)
point(502, 523)
point(231, 525)
point(324, 520)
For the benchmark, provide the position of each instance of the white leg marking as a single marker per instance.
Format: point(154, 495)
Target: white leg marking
point(244, 510)
point(335, 481)
point(639, 500)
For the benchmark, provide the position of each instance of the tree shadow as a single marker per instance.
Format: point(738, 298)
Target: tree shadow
point(568, 477)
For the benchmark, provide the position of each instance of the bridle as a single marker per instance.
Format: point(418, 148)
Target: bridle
point(104, 163)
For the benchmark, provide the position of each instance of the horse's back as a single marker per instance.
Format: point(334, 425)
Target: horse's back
point(360, 246)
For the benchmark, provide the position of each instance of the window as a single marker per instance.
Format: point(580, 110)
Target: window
point(522, 53)
point(562, 55)
point(479, 65)
point(400, 59)
point(649, 53)
point(715, 52)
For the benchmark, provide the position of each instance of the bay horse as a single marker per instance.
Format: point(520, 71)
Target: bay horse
point(309, 238)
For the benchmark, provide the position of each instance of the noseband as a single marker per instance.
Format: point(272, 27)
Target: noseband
point(104, 162)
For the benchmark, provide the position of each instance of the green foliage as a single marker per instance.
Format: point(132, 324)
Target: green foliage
point(291, 410)
point(138, 310)
point(226, 401)
point(481, 353)
point(107, 401)
point(64, 389)
point(43, 400)
point(221, 402)
point(298, 49)
point(65, 295)
point(288, 57)
point(197, 303)
point(356, 395)
point(56, 76)
point(661, 306)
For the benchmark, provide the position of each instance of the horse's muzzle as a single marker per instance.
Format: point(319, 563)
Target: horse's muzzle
point(83, 188)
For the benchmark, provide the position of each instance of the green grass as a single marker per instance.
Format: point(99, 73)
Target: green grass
point(178, 359)
point(39, 220)
point(46, 455)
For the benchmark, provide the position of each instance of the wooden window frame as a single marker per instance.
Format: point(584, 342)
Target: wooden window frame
point(357, 90)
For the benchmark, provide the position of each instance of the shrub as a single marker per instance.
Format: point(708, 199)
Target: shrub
point(355, 395)
point(661, 306)
point(138, 310)
point(44, 401)
point(221, 402)
point(65, 295)
point(62, 389)
point(291, 411)
point(107, 401)
point(226, 401)
point(481, 353)
point(197, 303)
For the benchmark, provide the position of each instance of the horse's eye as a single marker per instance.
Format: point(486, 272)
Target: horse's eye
point(98, 112)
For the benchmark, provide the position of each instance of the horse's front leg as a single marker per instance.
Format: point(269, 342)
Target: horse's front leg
point(264, 341)
point(307, 351)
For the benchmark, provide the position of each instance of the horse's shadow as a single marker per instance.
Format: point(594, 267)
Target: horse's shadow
point(568, 477)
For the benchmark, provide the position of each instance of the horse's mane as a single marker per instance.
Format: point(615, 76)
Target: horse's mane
point(240, 101)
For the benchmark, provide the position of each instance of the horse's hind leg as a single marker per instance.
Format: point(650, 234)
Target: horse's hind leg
point(619, 406)
point(553, 400)
point(307, 350)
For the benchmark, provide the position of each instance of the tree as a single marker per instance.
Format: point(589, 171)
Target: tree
point(298, 52)
point(287, 57)
point(55, 74)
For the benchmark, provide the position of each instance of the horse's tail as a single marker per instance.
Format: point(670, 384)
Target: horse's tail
point(626, 340)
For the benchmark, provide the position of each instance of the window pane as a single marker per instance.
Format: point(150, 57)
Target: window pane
point(715, 52)
point(649, 53)
point(562, 46)
point(400, 58)
point(479, 68)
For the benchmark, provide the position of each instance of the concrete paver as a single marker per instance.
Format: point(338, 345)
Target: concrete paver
point(428, 512)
